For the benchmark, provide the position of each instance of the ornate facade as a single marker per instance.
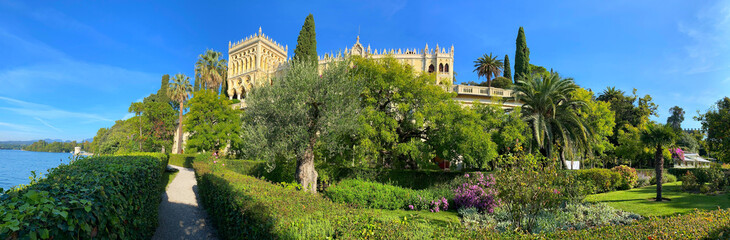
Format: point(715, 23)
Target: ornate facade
point(255, 60)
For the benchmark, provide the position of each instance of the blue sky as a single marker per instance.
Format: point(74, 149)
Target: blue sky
point(69, 68)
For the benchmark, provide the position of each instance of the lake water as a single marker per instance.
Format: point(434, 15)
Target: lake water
point(15, 165)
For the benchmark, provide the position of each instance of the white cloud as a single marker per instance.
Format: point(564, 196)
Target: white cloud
point(36, 110)
point(47, 124)
point(709, 34)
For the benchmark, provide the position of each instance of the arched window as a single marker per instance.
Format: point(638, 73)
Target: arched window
point(441, 67)
point(430, 68)
point(446, 68)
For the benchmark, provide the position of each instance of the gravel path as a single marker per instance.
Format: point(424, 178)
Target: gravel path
point(180, 216)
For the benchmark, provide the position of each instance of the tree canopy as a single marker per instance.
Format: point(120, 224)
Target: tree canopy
point(211, 122)
point(522, 56)
point(306, 49)
point(716, 123)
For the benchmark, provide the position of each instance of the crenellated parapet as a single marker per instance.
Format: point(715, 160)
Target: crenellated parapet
point(252, 62)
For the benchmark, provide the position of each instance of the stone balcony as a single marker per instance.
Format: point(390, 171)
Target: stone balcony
point(481, 91)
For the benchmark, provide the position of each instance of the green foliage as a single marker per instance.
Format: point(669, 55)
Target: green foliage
point(629, 177)
point(604, 180)
point(666, 178)
point(716, 123)
point(408, 120)
point(688, 142)
point(488, 66)
point(597, 117)
point(508, 130)
point(212, 71)
point(361, 193)
point(676, 118)
point(551, 113)
point(522, 56)
point(116, 139)
point(244, 207)
point(689, 182)
point(630, 110)
point(211, 122)
point(507, 69)
point(182, 160)
point(568, 217)
point(43, 146)
point(97, 197)
point(306, 49)
point(502, 82)
point(153, 130)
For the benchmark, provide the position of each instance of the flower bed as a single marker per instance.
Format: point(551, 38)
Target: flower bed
point(107, 197)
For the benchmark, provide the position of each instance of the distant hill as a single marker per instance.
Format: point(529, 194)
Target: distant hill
point(17, 145)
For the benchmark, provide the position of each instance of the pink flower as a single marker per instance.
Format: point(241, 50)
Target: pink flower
point(466, 175)
point(556, 191)
point(410, 206)
point(224, 164)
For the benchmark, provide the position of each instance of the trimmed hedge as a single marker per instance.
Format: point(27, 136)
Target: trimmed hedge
point(603, 180)
point(107, 197)
point(360, 193)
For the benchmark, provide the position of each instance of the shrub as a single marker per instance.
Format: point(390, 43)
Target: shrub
point(643, 180)
point(477, 192)
point(628, 177)
point(666, 178)
point(182, 160)
point(96, 197)
point(689, 182)
point(365, 194)
point(604, 180)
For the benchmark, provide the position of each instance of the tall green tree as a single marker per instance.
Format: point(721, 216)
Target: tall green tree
point(522, 56)
point(676, 118)
point(179, 92)
point(306, 49)
point(488, 66)
point(211, 69)
point(137, 108)
point(162, 92)
point(290, 117)
point(658, 137)
point(507, 68)
point(716, 124)
point(551, 112)
point(630, 110)
point(211, 122)
point(598, 117)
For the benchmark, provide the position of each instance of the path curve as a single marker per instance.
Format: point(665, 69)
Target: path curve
point(180, 216)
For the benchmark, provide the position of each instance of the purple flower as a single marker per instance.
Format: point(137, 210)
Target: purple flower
point(410, 206)
point(466, 175)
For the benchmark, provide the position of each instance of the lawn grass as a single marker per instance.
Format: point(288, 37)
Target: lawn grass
point(442, 218)
point(637, 200)
point(167, 178)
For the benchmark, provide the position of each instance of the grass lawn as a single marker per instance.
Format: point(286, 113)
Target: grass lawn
point(443, 218)
point(167, 178)
point(636, 200)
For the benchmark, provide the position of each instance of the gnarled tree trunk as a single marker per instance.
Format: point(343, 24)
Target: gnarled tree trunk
point(306, 174)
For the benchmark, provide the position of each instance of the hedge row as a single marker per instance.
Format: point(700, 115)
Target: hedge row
point(182, 160)
point(107, 197)
point(360, 193)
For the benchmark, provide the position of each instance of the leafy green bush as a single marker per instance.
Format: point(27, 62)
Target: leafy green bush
point(628, 177)
point(360, 193)
point(604, 180)
point(643, 180)
point(571, 216)
point(689, 182)
point(107, 197)
point(666, 178)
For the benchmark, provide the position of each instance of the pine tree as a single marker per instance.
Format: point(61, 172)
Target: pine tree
point(522, 56)
point(507, 70)
point(306, 49)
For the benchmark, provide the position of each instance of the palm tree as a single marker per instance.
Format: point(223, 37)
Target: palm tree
point(179, 91)
point(552, 113)
point(211, 69)
point(658, 136)
point(488, 66)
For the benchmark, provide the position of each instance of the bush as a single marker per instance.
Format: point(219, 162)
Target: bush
point(360, 193)
point(182, 160)
point(96, 197)
point(603, 179)
point(689, 182)
point(628, 177)
point(571, 216)
point(666, 178)
point(478, 192)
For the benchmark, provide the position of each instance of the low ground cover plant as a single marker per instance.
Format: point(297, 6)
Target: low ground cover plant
point(97, 197)
point(477, 191)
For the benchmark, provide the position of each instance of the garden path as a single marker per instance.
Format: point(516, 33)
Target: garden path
point(180, 216)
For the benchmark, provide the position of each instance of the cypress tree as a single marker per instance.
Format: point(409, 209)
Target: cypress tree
point(507, 69)
point(162, 93)
point(306, 49)
point(522, 56)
